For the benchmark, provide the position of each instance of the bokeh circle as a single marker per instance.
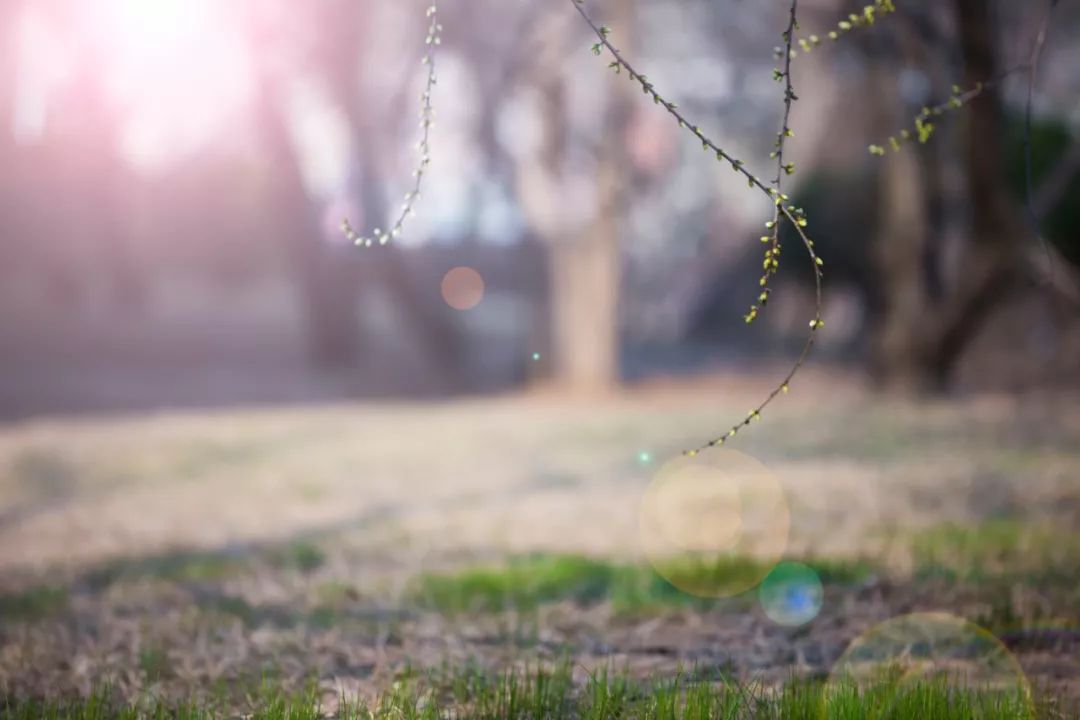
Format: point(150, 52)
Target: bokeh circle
point(714, 524)
point(463, 288)
point(792, 594)
point(896, 661)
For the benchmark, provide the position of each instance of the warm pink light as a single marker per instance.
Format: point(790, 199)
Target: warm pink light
point(463, 288)
point(175, 69)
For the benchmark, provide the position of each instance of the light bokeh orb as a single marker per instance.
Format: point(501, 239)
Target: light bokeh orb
point(792, 594)
point(463, 288)
point(714, 524)
point(925, 649)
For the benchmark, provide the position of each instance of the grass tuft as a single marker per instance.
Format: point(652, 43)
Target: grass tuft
point(524, 583)
point(34, 604)
point(467, 692)
point(302, 556)
point(998, 550)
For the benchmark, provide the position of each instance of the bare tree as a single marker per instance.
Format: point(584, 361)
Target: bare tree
point(933, 311)
point(585, 252)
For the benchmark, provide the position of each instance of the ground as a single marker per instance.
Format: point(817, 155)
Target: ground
point(180, 555)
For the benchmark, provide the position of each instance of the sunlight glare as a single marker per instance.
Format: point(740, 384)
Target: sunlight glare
point(177, 69)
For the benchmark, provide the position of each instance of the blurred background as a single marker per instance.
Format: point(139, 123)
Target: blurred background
point(174, 173)
point(230, 440)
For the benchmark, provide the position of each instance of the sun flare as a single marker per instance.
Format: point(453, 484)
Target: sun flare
point(175, 69)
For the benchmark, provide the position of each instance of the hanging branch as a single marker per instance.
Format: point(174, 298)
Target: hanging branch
point(792, 214)
point(427, 115)
point(771, 264)
point(866, 18)
point(924, 129)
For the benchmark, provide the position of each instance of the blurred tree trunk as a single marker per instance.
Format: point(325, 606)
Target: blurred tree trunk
point(79, 160)
point(585, 289)
point(585, 257)
point(991, 268)
point(9, 26)
point(899, 251)
point(926, 329)
point(384, 268)
point(327, 291)
point(101, 189)
point(9, 13)
point(326, 287)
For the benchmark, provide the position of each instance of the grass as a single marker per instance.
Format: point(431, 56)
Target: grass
point(466, 692)
point(527, 582)
point(33, 604)
point(154, 663)
point(301, 555)
point(1026, 575)
point(198, 567)
point(1002, 549)
point(293, 576)
point(179, 567)
point(41, 472)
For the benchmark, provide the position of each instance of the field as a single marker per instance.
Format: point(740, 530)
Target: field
point(483, 558)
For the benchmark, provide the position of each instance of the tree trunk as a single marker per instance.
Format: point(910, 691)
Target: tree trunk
point(385, 268)
point(990, 269)
point(327, 290)
point(434, 328)
point(585, 258)
point(896, 346)
point(928, 327)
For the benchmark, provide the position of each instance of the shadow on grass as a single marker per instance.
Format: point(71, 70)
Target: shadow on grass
point(202, 570)
point(990, 559)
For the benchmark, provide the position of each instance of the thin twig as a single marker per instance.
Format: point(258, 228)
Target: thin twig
point(924, 129)
point(771, 263)
point(792, 214)
point(427, 115)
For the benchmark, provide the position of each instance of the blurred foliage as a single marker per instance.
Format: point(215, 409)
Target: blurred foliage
point(1051, 140)
point(843, 211)
point(843, 208)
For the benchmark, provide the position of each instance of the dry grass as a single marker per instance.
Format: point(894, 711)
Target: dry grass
point(181, 550)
